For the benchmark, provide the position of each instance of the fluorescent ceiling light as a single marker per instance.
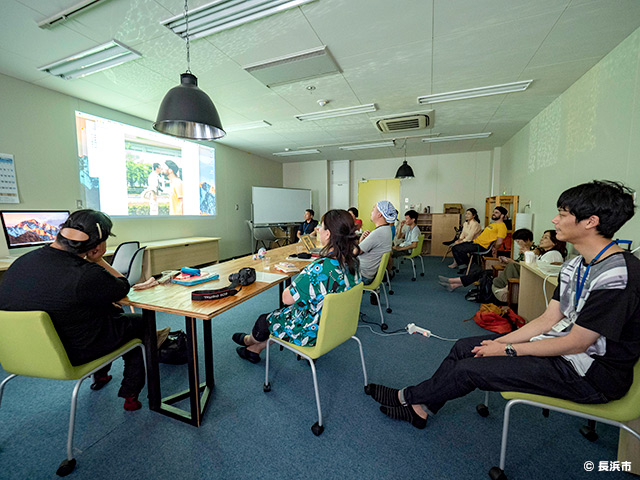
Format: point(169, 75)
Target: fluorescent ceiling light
point(225, 14)
point(475, 92)
point(68, 12)
point(451, 138)
point(337, 112)
point(296, 152)
point(91, 61)
point(247, 126)
point(363, 146)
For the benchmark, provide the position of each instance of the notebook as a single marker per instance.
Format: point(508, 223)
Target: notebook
point(309, 244)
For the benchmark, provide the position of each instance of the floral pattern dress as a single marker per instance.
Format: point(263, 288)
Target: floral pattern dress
point(298, 323)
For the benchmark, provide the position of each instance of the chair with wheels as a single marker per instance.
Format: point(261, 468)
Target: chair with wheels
point(30, 346)
point(612, 413)
point(477, 256)
point(123, 255)
point(416, 252)
point(338, 323)
point(378, 283)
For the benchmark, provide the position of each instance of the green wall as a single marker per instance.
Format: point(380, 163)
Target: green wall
point(37, 126)
point(592, 131)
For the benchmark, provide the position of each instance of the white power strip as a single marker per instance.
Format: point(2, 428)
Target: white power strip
point(411, 328)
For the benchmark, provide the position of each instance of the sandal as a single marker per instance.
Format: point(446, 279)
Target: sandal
point(247, 355)
point(238, 337)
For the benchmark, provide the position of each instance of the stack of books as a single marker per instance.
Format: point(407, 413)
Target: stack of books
point(188, 279)
point(286, 267)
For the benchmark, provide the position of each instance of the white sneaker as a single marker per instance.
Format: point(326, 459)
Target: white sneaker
point(502, 294)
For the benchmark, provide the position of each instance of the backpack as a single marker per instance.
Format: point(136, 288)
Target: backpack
point(498, 319)
point(483, 293)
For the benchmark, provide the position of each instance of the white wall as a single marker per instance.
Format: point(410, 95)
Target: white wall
point(312, 175)
point(591, 131)
point(37, 126)
point(453, 178)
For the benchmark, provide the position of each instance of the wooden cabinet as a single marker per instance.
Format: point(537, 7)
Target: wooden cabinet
point(437, 228)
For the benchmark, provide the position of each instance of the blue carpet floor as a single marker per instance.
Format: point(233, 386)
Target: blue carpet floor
point(250, 434)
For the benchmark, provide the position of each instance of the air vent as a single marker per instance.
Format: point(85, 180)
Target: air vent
point(294, 67)
point(418, 121)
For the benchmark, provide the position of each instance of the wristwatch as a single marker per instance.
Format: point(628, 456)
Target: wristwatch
point(510, 351)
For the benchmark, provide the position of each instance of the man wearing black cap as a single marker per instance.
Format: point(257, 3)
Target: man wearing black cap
point(71, 281)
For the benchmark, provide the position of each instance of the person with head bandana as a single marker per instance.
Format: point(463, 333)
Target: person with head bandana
point(70, 280)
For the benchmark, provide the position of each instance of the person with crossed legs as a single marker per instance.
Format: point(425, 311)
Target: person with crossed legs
point(585, 345)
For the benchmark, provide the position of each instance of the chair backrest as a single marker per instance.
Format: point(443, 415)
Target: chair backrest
point(380, 274)
point(339, 318)
point(628, 407)
point(418, 250)
point(135, 267)
point(30, 346)
point(264, 234)
point(123, 255)
point(486, 250)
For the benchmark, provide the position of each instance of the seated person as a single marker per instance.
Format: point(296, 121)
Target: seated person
point(494, 232)
point(471, 228)
point(308, 227)
point(71, 281)
point(354, 213)
point(410, 238)
point(376, 243)
point(583, 348)
point(555, 251)
point(335, 271)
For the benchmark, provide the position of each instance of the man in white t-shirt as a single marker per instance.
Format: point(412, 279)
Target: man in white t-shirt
point(410, 237)
point(376, 243)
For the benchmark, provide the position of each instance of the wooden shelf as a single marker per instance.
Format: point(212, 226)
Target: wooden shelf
point(437, 228)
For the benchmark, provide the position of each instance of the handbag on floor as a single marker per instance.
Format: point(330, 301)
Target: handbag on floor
point(498, 319)
point(174, 349)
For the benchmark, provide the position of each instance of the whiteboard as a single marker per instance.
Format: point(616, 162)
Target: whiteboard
point(279, 205)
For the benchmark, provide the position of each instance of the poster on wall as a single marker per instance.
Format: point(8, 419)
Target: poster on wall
point(8, 183)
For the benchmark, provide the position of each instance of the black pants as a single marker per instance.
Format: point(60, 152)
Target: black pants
point(461, 373)
point(462, 250)
point(260, 330)
point(113, 335)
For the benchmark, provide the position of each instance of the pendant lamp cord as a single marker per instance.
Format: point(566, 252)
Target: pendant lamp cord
point(186, 20)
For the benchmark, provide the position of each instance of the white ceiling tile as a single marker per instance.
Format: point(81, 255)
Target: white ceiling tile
point(352, 27)
point(588, 30)
point(268, 38)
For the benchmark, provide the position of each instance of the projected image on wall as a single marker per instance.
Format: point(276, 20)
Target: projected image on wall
point(126, 170)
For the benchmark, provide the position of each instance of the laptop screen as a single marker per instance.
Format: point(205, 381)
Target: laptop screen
point(307, 241)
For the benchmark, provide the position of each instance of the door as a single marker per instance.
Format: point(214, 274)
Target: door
point(371, 192)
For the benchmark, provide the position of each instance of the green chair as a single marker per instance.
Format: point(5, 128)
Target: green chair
point(612, 413)
point(30, 347)
point(338, 323)
point(374, 287)
point(417, 252)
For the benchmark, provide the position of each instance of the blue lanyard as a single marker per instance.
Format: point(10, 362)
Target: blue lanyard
point(304, 227)
point(579, 284)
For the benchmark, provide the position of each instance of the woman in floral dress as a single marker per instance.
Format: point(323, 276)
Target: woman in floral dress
point(335, 271)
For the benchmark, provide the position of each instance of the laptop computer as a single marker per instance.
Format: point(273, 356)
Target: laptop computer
point(309, 244)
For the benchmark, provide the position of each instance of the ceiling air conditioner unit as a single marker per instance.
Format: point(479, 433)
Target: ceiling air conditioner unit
point(406, 122)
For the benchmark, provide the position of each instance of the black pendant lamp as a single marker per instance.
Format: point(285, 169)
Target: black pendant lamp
point(405, 171)
point(186, 111)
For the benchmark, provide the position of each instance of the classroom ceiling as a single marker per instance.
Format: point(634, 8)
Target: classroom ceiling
point(388, 53)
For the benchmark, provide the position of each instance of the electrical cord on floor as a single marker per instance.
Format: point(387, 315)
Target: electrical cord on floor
point(401, 331)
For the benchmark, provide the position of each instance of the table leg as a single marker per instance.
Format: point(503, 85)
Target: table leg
point(151, 347)
point(198, 393)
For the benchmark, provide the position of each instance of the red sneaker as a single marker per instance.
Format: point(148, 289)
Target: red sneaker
point(131, 403)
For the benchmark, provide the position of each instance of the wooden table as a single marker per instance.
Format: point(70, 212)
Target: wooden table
point(531, 302)
point(176, 299)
